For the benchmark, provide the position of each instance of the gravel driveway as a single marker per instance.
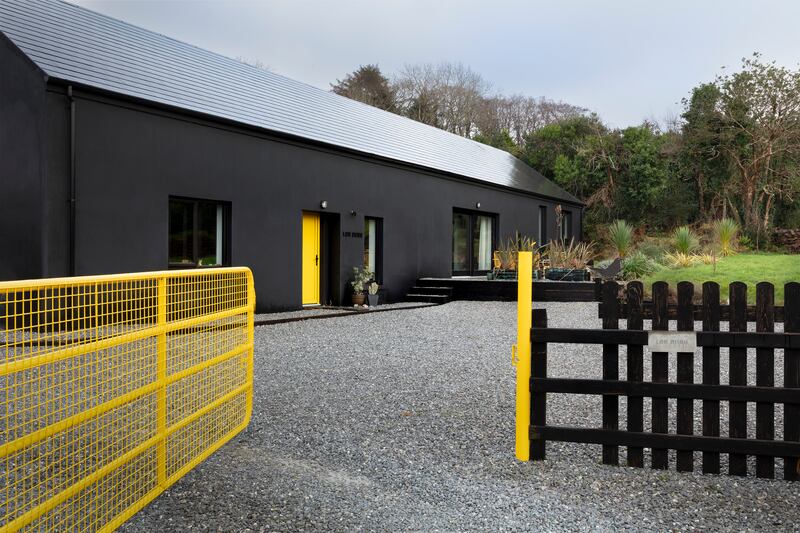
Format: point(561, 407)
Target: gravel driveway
point(405, 421)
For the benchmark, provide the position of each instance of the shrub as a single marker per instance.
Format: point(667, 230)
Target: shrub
point(726, 231)
point(706, 258)
point(653, 250)
point(681, 260)
point(685, 240)
point(638, 265)
point(620, 233)
point(745, 242)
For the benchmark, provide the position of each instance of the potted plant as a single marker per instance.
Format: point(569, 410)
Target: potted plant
point(373, 294)
point(506, 257)
point(568, 262)
point(361, 276)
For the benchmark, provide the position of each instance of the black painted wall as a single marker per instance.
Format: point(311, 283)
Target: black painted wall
point(130, 159)
point(22, 116)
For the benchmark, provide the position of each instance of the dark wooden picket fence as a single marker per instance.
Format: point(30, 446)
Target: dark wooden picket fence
point(737, 392)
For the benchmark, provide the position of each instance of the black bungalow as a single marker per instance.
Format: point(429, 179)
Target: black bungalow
point(124, 150)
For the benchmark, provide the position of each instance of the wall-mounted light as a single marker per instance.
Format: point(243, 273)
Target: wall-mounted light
point(478, 205)
point(353, 213)
point(324, 204)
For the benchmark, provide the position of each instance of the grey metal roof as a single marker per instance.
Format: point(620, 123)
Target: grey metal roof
point(79, 46)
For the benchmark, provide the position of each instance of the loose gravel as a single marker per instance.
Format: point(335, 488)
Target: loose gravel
point(405, 421)
point(328, 312)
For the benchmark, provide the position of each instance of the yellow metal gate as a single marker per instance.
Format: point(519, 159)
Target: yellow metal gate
point(113, 387)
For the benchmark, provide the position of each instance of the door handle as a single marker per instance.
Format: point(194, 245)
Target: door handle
point(316, 260)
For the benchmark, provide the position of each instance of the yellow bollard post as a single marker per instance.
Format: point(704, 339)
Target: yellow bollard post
point(523, 352)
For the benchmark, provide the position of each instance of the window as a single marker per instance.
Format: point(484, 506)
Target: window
point(482, 243)
point(373, 246)
point(461, 225)
point(542, 225)
point(473, 242)
point(197, 233)
point(566, 225)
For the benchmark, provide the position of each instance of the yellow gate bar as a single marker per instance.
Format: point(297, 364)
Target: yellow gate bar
point(523, 353)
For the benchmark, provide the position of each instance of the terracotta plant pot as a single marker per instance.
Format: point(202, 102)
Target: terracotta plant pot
point(358, 299)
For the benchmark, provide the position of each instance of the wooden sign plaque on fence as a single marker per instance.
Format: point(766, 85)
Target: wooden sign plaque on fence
point(671, 341)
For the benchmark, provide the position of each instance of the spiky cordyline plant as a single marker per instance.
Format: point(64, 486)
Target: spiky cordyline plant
point(620, 233)
point(727, 231)
point(685, 240)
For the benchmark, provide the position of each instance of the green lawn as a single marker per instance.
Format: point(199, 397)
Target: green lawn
point(778, 269)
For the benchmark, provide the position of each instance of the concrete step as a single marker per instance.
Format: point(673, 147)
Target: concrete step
point(428, 298)
point(445, 291)
point(431, 282)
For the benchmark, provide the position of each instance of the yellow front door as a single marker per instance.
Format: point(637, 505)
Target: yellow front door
point(310, 258)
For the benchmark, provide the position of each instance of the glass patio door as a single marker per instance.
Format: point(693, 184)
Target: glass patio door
point(473, 243)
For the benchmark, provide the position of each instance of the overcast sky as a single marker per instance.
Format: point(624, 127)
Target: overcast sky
point(626, 60)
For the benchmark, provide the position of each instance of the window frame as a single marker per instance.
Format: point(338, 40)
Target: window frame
point(566, 225)
point(378, 247)
point(226, 231)
point(542, 225)
point(473, 218)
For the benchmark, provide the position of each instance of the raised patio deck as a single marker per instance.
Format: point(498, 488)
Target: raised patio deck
point(481, 289)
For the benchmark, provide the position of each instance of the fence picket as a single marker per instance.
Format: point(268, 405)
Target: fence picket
point(685, 414)
point(538, 398)
point(635, 370)
point(610, 370)
point(765, 375)
point(660, 457)
point(791, 377)
point(738, 375)
point(711, 315)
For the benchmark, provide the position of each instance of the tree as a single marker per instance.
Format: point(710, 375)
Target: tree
point(642, 174)
point(368, 85)
point(257, 63)
point(700, 157)
point(520, 115)
point(759, 111)
point(500, 139)
point(618, 173)
point(566, 137)
point(449, 96)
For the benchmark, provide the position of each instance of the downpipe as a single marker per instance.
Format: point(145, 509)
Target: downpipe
point(72, 181)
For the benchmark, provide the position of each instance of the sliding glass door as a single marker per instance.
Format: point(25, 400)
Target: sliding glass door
point(473, 243)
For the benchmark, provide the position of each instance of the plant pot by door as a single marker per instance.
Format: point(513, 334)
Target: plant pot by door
point(358, 299)
point(373, 300)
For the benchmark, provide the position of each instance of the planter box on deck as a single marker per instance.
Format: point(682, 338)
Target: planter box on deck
point(567, 274)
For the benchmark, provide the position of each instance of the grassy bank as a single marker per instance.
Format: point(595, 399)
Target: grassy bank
point(778, 269)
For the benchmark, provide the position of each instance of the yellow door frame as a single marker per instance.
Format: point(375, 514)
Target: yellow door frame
point(310, 258)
